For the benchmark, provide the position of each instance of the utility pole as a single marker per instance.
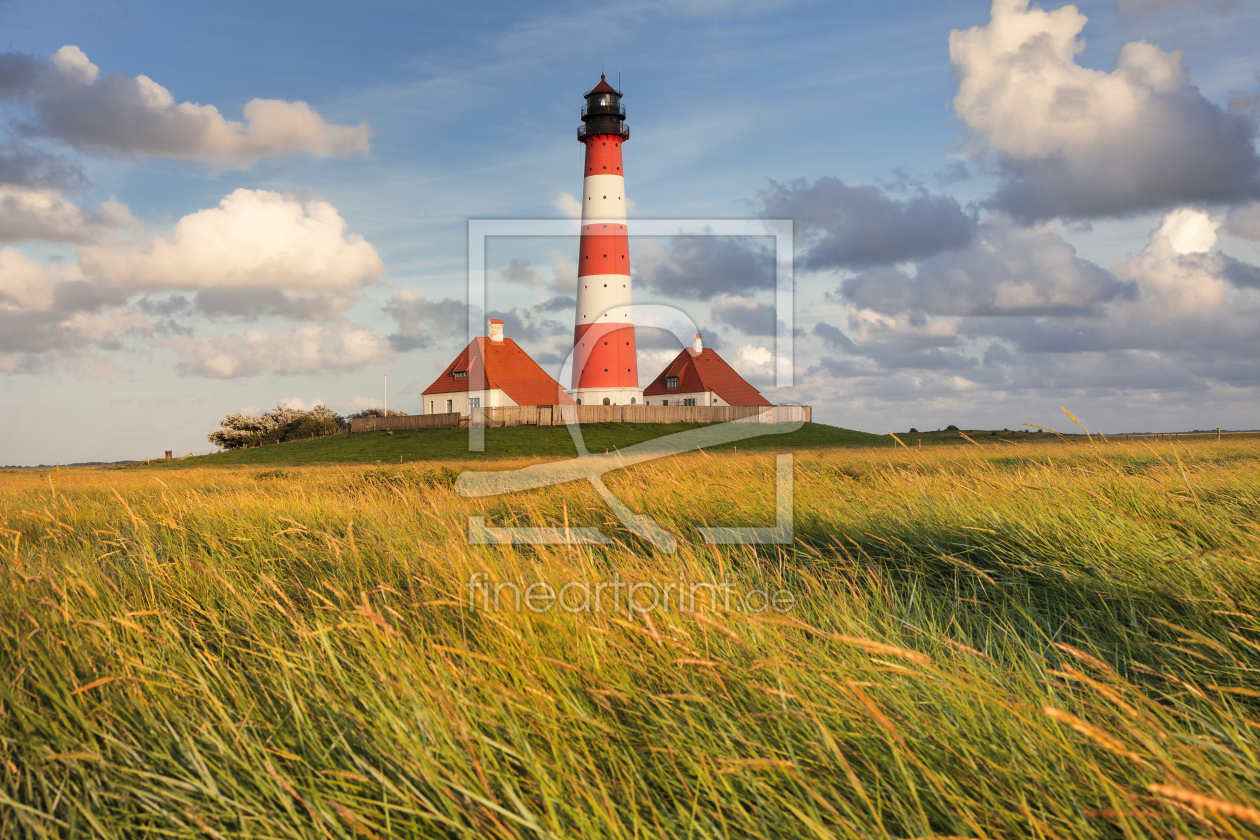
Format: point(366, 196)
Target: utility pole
point(387, 395)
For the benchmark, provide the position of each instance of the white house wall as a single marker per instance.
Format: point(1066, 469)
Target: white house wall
point(492, 398)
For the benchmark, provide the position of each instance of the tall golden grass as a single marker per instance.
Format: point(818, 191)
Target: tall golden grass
point(1054, 641)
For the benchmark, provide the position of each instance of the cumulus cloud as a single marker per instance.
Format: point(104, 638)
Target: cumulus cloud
point(855, 225)
point(568, 205)
point(1176, 273)
point(701, 267)
point(44, 214)
point(1010, 271)
point(71, 102)
point(51, 317)
point(315, 348)
point(1072, 141)
point(258, 252)
point(423, 323)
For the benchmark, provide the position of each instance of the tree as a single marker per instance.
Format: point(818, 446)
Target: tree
point(375, 412)
point(238, 431)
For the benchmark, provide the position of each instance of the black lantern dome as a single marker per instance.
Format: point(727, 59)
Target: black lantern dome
point(603, 112)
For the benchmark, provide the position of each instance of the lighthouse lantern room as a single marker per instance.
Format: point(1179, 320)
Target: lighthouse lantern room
point(605, 370)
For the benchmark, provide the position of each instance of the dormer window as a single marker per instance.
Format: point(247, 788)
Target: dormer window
point(460, 374)
point(671, 382)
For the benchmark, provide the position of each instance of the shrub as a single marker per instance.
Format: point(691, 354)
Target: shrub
point(951, 428)
point(375, 412)
point(239, 431)
point(913, 431)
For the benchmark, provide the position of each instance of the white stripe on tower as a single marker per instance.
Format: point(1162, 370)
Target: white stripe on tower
point(605, 367)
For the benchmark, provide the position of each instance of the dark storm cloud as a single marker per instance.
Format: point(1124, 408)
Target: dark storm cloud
point(846, 226)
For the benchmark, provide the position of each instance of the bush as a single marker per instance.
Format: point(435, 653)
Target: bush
point(913, 431)
point(240, 431)
point(951, 428)
point(376, 412)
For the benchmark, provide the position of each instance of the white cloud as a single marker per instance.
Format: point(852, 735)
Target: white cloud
point(27, 285)
point(1176, 275)
point(568, 204)
point(1080, 142)
point(754, 362)
point(44, 214)
point(315, 348)
point(259, 250)
point(134, 115)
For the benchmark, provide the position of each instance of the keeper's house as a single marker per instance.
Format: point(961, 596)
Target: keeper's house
point(699, 376)
point(492, 371)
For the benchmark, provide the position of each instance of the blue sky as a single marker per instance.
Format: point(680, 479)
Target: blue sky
point(990, 228)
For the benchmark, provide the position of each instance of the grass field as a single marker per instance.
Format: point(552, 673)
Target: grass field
point(1041, 640)
point(518, 441)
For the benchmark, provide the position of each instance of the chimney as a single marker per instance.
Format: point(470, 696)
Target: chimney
point(496, 329)
point(696, 344)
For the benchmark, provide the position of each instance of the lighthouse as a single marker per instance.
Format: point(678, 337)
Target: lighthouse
point(605, 370)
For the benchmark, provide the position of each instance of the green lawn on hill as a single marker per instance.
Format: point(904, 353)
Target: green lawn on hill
point(509, 442)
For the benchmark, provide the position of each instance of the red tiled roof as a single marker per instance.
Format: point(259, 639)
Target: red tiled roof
point(602, 87)
point(505, 366)
point(705, 371)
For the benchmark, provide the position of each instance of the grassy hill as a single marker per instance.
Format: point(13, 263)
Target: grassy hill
point(511, 442)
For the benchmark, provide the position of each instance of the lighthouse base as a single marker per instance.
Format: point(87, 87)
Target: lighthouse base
point(615, 396)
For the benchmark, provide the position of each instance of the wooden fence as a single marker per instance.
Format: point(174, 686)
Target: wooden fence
point(405, 422)
point(559, 415)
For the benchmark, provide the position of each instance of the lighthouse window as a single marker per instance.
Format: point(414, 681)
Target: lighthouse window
point(671, 382)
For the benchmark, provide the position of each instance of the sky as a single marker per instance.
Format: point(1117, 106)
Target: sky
point(1000, 209)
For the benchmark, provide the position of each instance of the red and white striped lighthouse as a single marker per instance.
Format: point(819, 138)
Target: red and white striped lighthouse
point(605, 366)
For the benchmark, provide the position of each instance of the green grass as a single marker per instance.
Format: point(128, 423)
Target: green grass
point(1049, 641)
point(510, 442)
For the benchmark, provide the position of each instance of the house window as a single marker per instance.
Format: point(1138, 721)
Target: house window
point(689, 401)
point(460, 374)
point(450, 406)
point(671, 382)
point(664, 402)
point(474, 402)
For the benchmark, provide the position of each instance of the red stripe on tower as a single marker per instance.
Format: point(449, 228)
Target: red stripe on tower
point(605, 366)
